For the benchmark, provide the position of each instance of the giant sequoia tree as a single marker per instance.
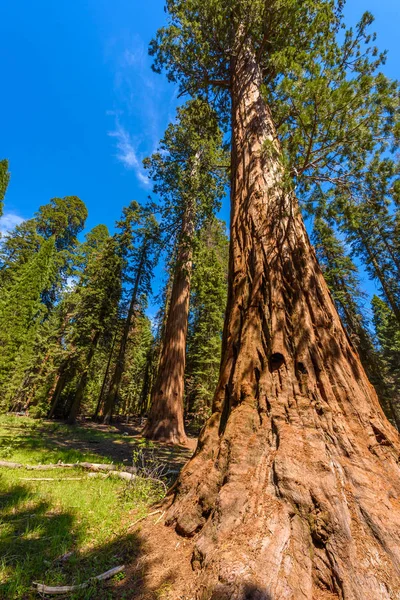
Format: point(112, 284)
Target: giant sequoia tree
point(187, 175)
point(294, 488)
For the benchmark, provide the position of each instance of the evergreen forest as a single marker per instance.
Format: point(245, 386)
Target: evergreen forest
point(268, 370)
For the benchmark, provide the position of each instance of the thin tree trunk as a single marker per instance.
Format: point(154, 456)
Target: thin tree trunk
point(146, 387)
point(96, 412)
point(165, 422)
point(295, 485)
point(61, 381)
point(120, 364)
point(381, 277)
point(80, 390)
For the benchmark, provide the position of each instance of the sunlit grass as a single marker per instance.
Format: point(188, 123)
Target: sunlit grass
point(42, 520)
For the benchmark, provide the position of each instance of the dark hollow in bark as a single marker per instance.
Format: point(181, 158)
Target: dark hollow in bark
point(295, 484)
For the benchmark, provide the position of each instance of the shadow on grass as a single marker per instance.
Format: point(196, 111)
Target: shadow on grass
point(33, 537)
point(54, 441)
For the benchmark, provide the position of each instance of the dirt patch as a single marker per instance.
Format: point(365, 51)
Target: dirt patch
point(163, 570)
point(118, 442)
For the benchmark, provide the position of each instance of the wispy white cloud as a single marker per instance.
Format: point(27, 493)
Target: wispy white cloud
point(8, 221)
point(144, 105)
point(127, 153)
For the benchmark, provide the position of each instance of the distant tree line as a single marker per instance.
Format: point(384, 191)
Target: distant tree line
point(75, 338)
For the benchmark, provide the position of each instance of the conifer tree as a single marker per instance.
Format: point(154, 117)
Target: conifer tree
point(342, 278)
point(97, 301)
point(139, 244)
point(136, 362)
point(388, 334)
point(367, 217)
point(275, 494)
point(188, 178)
point(206, 319)
point(61, 218)
point(21, 311)
point(4, 180)
point(89, 312)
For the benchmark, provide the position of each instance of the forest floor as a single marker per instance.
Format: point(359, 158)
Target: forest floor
point(47, 514)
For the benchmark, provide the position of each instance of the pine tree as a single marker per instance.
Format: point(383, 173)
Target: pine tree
point(343, 281)
point(368, 221)
point(61, 218)
point(97, 301)
point(206, 319)
point(136, 362)
point(188, 178)
point(275, 493)
point(21, 311)
point(388, 334)
point(4, 181)
point(89, 310)
point(139, 243)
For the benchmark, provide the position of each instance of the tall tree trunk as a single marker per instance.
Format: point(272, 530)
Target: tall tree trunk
point(294, 489)
point(80, 390)
point(65, 372)
point(165, 422)
point(103, 385)
point(146, 387)
point(120, 364)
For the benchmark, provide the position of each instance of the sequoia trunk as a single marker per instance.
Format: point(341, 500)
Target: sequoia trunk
point(294, 490)
point(165, 422)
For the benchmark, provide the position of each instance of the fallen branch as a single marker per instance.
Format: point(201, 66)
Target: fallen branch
point(66, 589)
point(83, 465)
point(155, 512)
point(51, 478)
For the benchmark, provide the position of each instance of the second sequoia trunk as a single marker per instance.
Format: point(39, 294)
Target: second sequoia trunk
point(165, 422)
point(294, 490)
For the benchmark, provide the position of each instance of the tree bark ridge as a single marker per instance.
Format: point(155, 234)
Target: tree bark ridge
point(295, 485)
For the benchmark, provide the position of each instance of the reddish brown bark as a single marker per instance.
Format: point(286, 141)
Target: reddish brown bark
point(165, 422)
point(294, 490)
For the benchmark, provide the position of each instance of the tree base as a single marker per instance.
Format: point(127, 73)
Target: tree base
point(166, 433)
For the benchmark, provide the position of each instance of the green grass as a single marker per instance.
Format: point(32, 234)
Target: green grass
point(42, 520)
point(32, 441)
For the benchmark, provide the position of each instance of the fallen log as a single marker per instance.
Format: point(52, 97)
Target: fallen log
point(67, 589)
point(108, 467)
point(51, 478)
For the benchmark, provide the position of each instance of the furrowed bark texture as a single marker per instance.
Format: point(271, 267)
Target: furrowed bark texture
point(165, 422)
point(294, 490)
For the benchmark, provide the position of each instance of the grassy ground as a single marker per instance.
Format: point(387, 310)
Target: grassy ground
point(42, 520)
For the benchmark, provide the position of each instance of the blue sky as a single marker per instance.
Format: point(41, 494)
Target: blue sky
point(80, 107)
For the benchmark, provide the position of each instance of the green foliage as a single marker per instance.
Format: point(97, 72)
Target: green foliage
point(187, 170)
point(61, 219)
point(139, 243)
point(370, 222)
point(138, 348)
point(388, 334)
point(21, 312)
point(208, 302)
point(342, 278)
point(4, 181)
